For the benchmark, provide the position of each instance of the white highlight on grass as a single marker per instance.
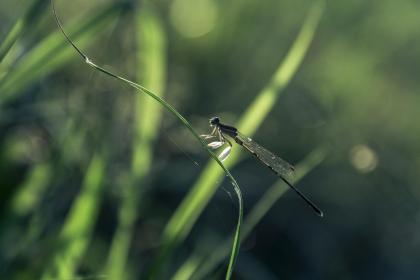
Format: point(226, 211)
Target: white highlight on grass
point(193, 18)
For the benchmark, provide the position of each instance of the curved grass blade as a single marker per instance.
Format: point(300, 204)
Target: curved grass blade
point(171, 109)
point(192, 206)
point(204, 265)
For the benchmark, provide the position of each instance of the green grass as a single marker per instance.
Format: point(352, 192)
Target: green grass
point(199, 265)
point(22, 26)
point(194, 203)
point(76, 232)
point(151, 59)
point(101, 183)
point(53, 52)
point(171, 109)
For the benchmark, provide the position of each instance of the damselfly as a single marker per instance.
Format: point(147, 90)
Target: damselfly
point(281, 168)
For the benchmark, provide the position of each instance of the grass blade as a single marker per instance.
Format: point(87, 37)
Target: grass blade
point(77, 230)
point(22, 26)
point(31, 191)
point(151, 43)
point(206, 264)
point(191, 207)
point(53, 52)
point(172, 110)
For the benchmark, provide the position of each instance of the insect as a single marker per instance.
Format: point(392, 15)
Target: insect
point(280, 167)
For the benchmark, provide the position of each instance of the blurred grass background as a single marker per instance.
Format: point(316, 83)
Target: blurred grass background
point(95, 179)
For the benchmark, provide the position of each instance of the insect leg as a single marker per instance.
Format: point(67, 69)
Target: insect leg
point(225, 139)
point(211, 135)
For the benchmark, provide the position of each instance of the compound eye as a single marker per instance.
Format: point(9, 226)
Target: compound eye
point(214, 120)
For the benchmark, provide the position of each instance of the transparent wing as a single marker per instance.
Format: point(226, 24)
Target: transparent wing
point(274, 162)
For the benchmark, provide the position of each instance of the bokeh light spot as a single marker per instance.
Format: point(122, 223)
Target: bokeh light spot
point(363, 158)
point(193, 18)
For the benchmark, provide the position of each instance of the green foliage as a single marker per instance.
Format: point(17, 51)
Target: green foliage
point(22, 26)
point(200, 265)
point(206, 185)
point(171, 109)
point(151, 57)
point(101, 183)
point(76, 233)
point(53, 52)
